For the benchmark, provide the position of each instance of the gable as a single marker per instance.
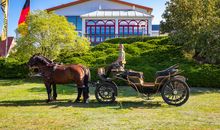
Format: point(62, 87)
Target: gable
point(3, 46)
point(80, 7)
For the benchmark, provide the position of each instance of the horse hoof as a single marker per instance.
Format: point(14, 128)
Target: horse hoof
point(47, 101)
point(86, 101)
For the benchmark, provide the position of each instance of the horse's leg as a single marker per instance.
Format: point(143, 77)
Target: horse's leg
point(54, 92)
point(48, 87)
point(86, 94)
point(80, 90)
point(86, 88)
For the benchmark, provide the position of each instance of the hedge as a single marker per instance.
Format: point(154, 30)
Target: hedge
point(133, 39)
point(155, 53)
point(11, 68)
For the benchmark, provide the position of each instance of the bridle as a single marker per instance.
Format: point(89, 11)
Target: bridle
point(45, 65)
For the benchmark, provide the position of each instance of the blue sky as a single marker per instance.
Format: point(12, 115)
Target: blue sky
point(15, 7)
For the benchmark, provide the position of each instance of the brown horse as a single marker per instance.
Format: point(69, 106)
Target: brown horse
point(53, 74)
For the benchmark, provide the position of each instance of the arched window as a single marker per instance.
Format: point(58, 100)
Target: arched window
point(131, 27)
point(99, 30)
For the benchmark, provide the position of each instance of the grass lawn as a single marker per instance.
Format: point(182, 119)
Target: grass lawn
point(22, 106)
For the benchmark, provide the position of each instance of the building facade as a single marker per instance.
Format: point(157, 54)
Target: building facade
point(155, 30)
point(99, 20)
point(6, 46)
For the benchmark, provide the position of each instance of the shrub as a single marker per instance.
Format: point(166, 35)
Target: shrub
point(132, 50)
point(130, 40)
point(150, 56)
point(11, 68)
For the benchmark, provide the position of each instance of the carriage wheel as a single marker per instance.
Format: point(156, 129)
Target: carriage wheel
point(105, 93)
point(175, 92)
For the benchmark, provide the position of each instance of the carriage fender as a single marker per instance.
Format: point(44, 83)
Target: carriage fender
point(182, 78)
point(179, 77)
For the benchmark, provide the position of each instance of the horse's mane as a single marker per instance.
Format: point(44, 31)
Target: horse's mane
point(44, 60)
point(47, 59)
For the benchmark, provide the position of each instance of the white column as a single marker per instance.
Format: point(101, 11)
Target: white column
point(150, 26)
point(83, 26)
point(116, 27)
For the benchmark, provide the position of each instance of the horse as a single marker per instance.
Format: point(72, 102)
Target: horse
point(53, 74)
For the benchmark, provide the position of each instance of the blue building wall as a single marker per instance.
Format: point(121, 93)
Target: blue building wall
point(155, 27)
point(77, 21)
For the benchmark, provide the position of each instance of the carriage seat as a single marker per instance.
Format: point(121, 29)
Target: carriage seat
point(162, 73)
point(135, 77)
point(120, 69)
point(170, 70)
point(135, 74)
point(102, 74)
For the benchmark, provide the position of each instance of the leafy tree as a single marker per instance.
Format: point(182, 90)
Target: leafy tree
point(48, 34)
point(196, 25)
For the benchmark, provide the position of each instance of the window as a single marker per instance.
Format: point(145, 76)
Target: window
point(77, 21)
point(99, 30)
point(132, 27)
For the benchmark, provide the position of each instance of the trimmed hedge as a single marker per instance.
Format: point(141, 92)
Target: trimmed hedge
point(11, 68)
point(130, 40)
point(155, 53)
point(150, 56)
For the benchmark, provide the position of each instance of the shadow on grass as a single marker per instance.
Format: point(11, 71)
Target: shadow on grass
point(70, 89)
point(61, 89)
point(92, 104)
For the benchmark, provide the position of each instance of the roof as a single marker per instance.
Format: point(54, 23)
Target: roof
point(115, 13)
point(3, 46)
point(156, 27)
point(116, 1)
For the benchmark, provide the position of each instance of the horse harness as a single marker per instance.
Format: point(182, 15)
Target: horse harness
point(53, 67)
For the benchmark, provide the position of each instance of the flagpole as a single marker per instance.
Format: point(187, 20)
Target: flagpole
point(6, 46)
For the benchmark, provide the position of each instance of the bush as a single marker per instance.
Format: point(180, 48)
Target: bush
point(11, 68)
point(150, 56)
point(203, 75)
point(130, 40)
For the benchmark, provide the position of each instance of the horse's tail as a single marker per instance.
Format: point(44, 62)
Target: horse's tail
point(89, 74)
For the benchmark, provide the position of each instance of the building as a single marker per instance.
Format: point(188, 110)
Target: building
point(155, 30)
point(103, 19)
point(5, 47)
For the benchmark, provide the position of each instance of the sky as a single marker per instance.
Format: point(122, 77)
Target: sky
point(15, 7)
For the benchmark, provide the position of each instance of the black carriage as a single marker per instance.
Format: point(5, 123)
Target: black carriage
point(172, 86)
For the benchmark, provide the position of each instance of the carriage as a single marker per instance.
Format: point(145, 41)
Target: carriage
point(172, 86)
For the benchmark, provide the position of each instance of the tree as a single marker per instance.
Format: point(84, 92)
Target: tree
point(195, 24)
point(48, 34)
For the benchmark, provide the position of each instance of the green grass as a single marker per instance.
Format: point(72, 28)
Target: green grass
point(22, 106)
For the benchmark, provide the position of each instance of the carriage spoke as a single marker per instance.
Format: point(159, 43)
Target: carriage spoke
point(172, 97)
point(175, 99)
point(168, 92)
point(172, 86)
point(169, 88)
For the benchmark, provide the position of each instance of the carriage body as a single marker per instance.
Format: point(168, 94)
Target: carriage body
point(107, 89)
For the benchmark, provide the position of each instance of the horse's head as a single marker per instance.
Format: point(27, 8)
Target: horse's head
point(37, 61)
